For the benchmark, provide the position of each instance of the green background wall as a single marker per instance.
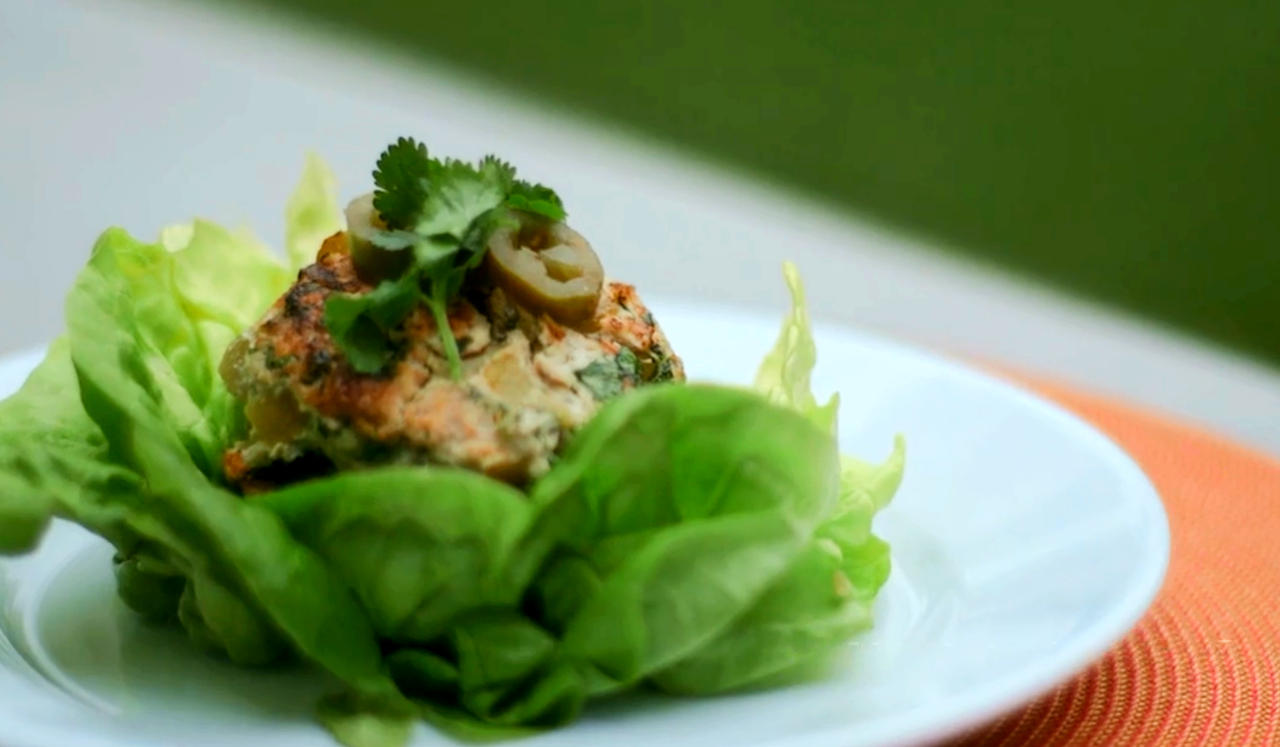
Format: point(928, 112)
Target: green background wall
point(1127, 151)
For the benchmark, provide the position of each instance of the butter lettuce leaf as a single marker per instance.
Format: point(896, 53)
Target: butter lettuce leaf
point(418, 546)
point(691, 538)
point(54, 461)
point(785, 373)
point(312, 214)
point(496, 673)
point(826, 595)
point(250, 583)
point(121, 429)
point(681, 504)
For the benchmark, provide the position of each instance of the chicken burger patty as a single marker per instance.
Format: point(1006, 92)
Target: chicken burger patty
point(528, 382)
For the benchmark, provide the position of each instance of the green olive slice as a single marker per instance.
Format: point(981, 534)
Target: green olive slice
point(547, 267)
point(372, 263)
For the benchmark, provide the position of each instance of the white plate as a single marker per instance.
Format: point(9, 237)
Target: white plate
point(1024, 545)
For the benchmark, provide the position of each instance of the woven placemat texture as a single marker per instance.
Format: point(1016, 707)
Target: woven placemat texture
point(1203, 666)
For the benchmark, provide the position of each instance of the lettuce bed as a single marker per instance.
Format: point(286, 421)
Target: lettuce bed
point(695, 539)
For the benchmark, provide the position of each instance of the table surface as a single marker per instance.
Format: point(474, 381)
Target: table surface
point(140, 114)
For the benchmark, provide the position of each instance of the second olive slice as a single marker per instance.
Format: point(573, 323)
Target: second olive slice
point(547, 267)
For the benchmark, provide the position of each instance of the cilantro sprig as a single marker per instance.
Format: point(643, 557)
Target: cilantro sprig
point(443, 212)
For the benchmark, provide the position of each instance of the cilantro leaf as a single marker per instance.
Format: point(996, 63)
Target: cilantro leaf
point(361, 325)
point(459, 193)
point(435, 255)
point(610, 377)
point(401, 177)
point(394, 241)
point(476, 240)
point(499, 170)
point(535, 198)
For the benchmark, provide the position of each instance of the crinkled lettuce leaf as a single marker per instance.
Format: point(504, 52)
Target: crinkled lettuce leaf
point(827, 593)
point(497, 672)
point(251, 588)
point(686, 501)
point(784, 375)
point(419, 546)
point(184, 306)
point(312, 213)
point(121, 429)
point(53, 461)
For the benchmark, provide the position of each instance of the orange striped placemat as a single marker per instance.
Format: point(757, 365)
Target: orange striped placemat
point(1203, 666)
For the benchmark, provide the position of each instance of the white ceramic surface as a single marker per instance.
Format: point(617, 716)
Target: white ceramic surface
point(1024, 545)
